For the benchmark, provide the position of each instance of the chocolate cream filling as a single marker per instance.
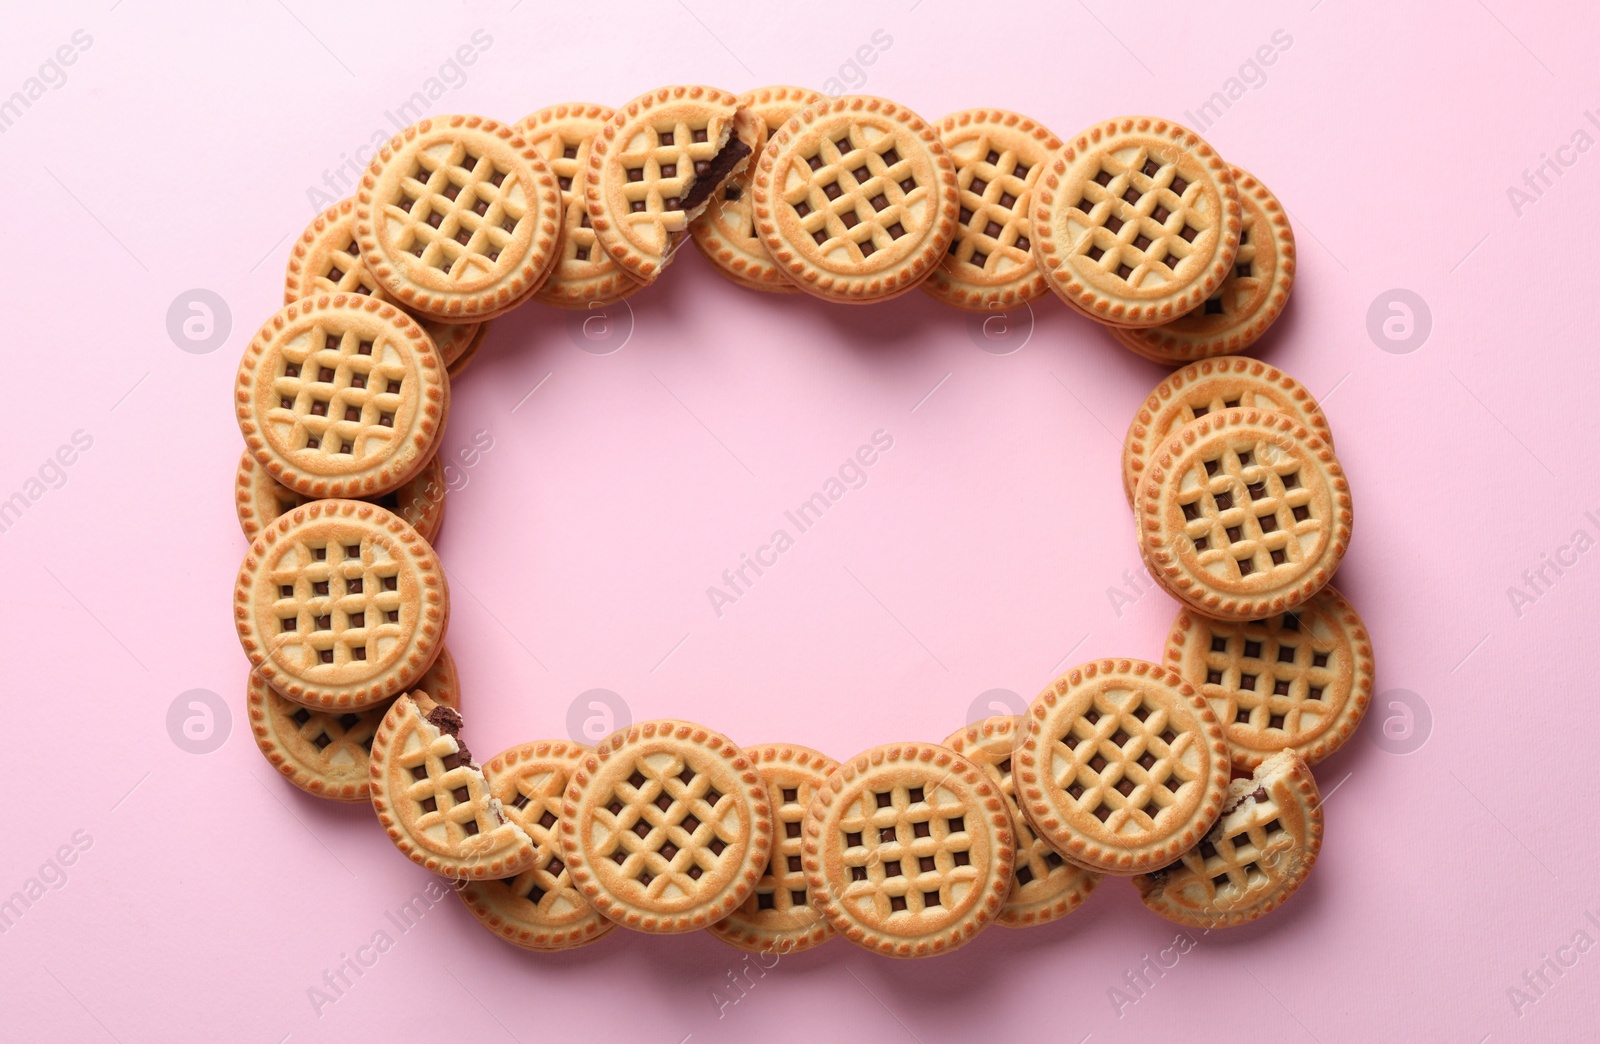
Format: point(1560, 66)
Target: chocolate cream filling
point(710, 174)
point(448, 721)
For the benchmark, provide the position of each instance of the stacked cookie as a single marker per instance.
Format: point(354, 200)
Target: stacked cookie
point(1191, 777)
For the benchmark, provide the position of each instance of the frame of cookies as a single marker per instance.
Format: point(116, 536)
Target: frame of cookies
point(1191, 777)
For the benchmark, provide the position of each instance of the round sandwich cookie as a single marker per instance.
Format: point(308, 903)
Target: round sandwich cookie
point(1259, 853)
point(856, 199)
point(432, 800)
point(656, 164)
point(1298, 680)
point(1136, 221)
point(779, 917)
point(999, 156)
point(1123, 768)
point(458, 218)
point(666, 827)
point(1250, 299)
point(539, 909)
point(584, 275)
point(325, 754)
point(1207, 387)
point(327, 259)
point(258, 498)
point(1044, 886)
point(341, 395)
point(726, 231)
point(1243, 513)
point(909, 849)
point(340, 605)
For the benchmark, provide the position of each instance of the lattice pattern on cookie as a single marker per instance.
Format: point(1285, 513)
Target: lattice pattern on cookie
point(342, 270)
point(338, 738)
point(666, 825)
point(338, 393)
point(1280, 673)
point(454, 210)
point(907, 849)
point(1035, 859)
point(450, 794)
point(783, 886)
point(1229, 862)
point(855, 192)
point(535, 809)
point(1248, 510)
point(566, 155)
point(1142, 215)
point(661, 165)
point(993, 227)
point(337, 602)
point(1242, 285)
point(1122, 761)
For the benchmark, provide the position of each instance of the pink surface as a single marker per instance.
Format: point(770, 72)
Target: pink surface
point(205, 898)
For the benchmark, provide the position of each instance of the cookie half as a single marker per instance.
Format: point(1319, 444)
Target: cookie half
point(327, 259)
point(341, 395)
point(1248, 302)
point(1123, 768)
point(258, 498)
point(325, 753)
point(1208, 387)
point(539, 909)
point(666, 827)
point(656, 165)
point(726, 232)
point(458, 218)
point(779, 916)
point(433, 801)
point(1242, 514)
point(1259, 853)
point(909, 849)
point(340, 605)
point(856, 199)
point(1298, 680)
point(1044, 886)
point(999, 156)
point(584, 275)
point(1136, 221)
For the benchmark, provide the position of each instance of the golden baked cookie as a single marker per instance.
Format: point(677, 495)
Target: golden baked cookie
point(1298, 680)
point(999, 156)
point(1044, 886)
point(856, 199)
point(327, 259)
point(339, 605)
point(1206, 387)
point(325, 754)
point(258, 498)
point(1242, 514)
point(1123, 768)
point(341, 395)
point(1259, 853)
point(1250, 299)
point(433, 801)
point(471, 351)
point(779, 917)
point(909, 849)
point(584, 276)
point(1136, 221)
point(726, 231)
point(539, 909)
point(666, 827)
point(458, 218)
point(656, 164)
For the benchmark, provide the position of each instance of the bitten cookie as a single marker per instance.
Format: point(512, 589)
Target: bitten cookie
point(1260, 852)
point(1136, 221)
point(1124, 766)
point(433, 801)
point(909, 850)
point(1243, 513)
point(666, 827)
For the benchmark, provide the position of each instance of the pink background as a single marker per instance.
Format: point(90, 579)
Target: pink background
point(207, 896)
